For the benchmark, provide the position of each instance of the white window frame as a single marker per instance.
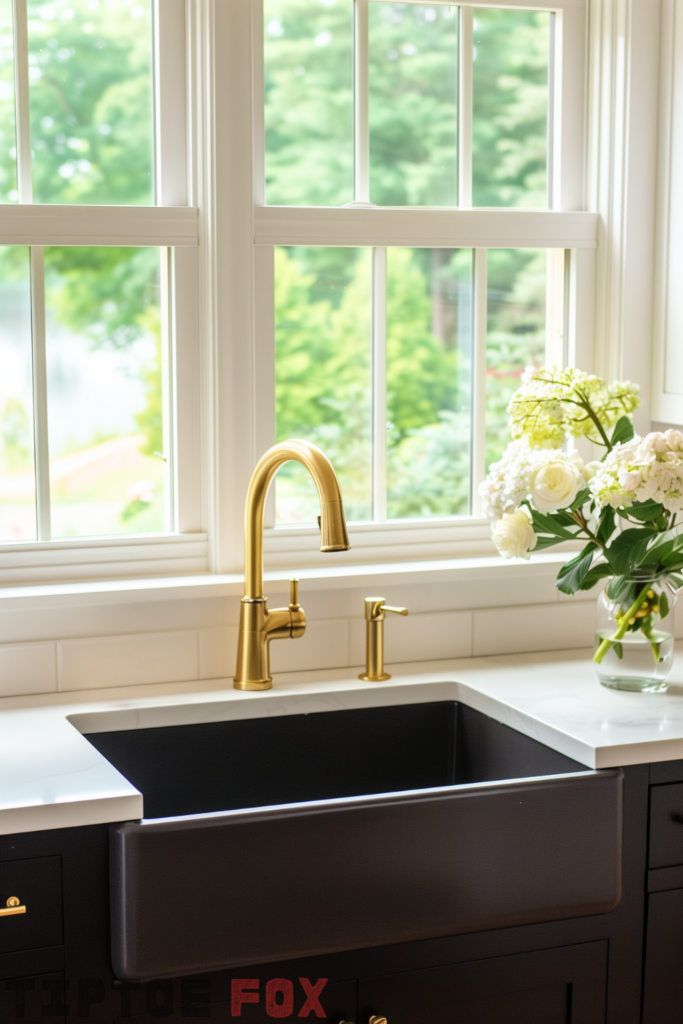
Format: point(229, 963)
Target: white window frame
point(172, 225)
point(563, 228)
point(223, 329)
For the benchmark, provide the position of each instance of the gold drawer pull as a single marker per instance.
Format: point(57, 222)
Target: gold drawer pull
point(378, 1020)
point(14, 906)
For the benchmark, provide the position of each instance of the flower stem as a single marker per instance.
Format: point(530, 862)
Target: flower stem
point(623, 626)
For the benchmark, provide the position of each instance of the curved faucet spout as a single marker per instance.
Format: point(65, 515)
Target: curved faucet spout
point(258, 626)
point(334, 536)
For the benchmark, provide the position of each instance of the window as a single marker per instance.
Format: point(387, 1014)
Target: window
point(97, 315)
point(418, 226)
point(352, 220)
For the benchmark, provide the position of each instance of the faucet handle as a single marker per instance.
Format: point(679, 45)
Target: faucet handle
point(294, 605)
point(375, 607)
point(396, 611)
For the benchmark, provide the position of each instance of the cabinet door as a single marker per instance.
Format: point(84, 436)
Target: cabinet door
point(663, 990)
point(33, 1000)
point(254, 1000)
point(552, 986)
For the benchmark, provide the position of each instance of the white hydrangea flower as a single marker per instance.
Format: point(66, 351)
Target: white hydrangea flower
point(554, 404)
point(645, 469)
point(512, 479)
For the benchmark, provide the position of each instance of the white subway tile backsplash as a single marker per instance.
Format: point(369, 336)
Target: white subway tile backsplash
point(217, 652)
point(99, 662)
point(533, 628)
point(27, 668)
point(429, 637)
point(324, 645)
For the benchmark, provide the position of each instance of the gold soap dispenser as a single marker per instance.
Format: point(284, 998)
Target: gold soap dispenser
point(375, 614)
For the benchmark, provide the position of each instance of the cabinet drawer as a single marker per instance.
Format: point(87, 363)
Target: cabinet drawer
point(553, 986)
point(37, 884)
point(33, 1000)
point(666, 825)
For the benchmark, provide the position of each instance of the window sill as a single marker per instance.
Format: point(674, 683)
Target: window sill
point(332, 577)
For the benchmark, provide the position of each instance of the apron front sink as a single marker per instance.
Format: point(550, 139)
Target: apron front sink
point(271, 838)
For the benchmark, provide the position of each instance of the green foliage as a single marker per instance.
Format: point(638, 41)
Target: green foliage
point(91, 101)
point(16, 433)
point(309, 102)
point(574, 572)
point(510, 107)
point(413, 105)
point(623, 431)
point(516, 334)
point(324, 387)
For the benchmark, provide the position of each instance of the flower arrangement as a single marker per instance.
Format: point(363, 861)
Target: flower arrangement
point(623, 507)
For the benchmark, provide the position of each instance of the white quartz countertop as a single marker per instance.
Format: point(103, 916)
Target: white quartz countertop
point(52, 777)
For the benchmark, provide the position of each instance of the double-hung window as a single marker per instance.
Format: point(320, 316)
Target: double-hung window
point(419, 241)
point(99, 413)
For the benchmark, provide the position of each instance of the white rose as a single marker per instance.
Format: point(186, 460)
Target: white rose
point(514, 535)
point(555, 485)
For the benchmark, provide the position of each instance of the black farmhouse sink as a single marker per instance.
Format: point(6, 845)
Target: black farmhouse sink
point(272, 838)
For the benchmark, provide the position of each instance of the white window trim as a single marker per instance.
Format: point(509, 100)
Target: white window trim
point(223, 369)
point(173, 227)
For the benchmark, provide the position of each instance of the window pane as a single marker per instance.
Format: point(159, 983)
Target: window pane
point(516, 333)
point(323, 367)
point(509, 140)
point(309, 102)
point(428, 381)
point(8, 140)
point(17, 474)
point(104, 391)
point(413, 80)
point(91, 101)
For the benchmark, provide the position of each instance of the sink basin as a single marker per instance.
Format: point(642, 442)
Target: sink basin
point(271, 838)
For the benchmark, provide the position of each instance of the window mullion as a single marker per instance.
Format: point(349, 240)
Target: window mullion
point(42, 451)
point(552, 64)
point(465, 101)
point(361, 102)
point(379, 384)
point(21, 95)
point(479, 338)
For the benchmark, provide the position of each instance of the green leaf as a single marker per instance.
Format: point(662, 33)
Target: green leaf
point(580, 500)
point(543, 542)
point(643, 511)
point(663, 604)
point(545, 522)
point(571, 576)
point(623, 431)
point(619, 651)
point(628, 550)
point(606, 527)
point(677, 579)
point(594, 575)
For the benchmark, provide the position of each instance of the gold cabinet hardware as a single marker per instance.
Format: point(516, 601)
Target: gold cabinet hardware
point(258, 625)
point(378, 1020)
point(375, 609)
point(14, 906)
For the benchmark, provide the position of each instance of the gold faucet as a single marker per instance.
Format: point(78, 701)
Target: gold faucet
point(375, 609)
point(258, 626)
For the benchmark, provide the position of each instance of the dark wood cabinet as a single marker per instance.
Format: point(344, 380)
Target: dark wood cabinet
point(567, 985)
point(663, 982)
point(37, 884)
point(33, 999)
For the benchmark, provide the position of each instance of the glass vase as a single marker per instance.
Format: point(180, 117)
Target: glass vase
point(635, 634)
